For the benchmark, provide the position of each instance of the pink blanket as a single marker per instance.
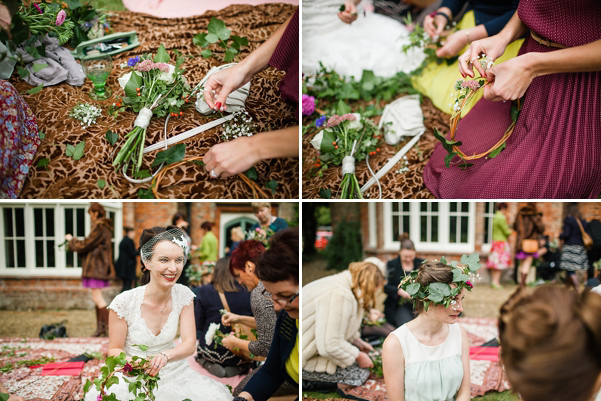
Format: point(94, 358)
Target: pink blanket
point(187, 8)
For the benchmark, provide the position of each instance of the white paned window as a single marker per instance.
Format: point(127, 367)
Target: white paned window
point(13, 244)
point(489, 212)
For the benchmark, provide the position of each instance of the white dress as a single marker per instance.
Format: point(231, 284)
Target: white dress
point(432, 373)
point(372, 42)
point(177, 379)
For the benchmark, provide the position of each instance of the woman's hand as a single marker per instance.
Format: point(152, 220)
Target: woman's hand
point(222, 83)
point(155, 364)
point(434, 25)
point(364, 361)
point(233, 157)
point(229, 318)
point(493, 47)
point(453, 44)
point(350, 12)
point(362, 345)
point(230, 341)
point(403, 294)
point(68, 237)
point(510, 79)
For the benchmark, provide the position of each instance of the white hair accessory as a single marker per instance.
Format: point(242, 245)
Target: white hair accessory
point(174, 235)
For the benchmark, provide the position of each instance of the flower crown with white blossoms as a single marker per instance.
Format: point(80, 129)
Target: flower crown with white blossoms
point(442, 293)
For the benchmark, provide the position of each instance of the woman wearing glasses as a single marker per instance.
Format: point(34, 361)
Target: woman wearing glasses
point(334, 355)
point(243, 268)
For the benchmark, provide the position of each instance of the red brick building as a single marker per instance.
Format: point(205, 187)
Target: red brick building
point(36, 273)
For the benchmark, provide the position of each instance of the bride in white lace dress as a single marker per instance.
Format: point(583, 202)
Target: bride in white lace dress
point(150, 315)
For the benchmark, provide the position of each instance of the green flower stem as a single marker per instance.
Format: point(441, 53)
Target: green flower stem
point(139, 164)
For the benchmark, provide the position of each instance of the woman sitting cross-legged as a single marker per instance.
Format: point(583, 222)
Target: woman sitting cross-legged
point(428, 357)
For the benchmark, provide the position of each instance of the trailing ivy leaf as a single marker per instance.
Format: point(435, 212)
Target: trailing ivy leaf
point(252, 173)
point(435, 296)
point(101, 184)
point(200, 162)
point(33, 52)
point(443, 141)
point(325, 193)
point(230, 53)
point(35, 90)
point(201, 40)
point(413, 288)
point(111, 362)
point(43, 162)
point(342, 8)
point(172, 155)
point(135, 81)
point(141, 346)
point(79, 149)
point(442, 288)
point(141, 174)
point(514, 111)
point(448, 158)
point(342, 108)
point(23, 72)
point(206, 53)
point(368, 80)
point(41, 135)
point(327, 142)
point(472, 261)
point(239, 41)
point(162, 56)
point(272, 185)
point(465, 165)
point(111, 137)
point(70, 150)
point(37, 67)
point(73, 4)
point(42, 50)
point(212, 38)
point(498, 150)
point(218, 28)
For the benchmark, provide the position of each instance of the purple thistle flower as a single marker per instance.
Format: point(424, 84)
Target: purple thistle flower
point(320, 121)
point(60, 18)
point(38, 8)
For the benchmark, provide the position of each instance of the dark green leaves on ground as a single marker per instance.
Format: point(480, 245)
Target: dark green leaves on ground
point(218, 28)
point(325, 193)
point(272, 185)
point(252, 173)
point(141, 174)
point(43, 162)
point(101, 184)
point(111, 137)
point(145, 193)
point(35, 90)
point(172, 155)
point(77, 151)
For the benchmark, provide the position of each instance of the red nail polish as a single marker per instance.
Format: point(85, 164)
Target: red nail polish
point(218, 105)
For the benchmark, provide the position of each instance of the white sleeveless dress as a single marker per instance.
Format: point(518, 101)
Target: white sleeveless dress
point(177, 379)
point(432, 373)
point(372, 42)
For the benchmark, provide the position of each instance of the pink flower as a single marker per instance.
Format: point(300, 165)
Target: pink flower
point(257, 229)
point(145, 65)
point(99, 398)
point(308, 105)
point(60, 18)
point(38, 8)
point(473, 85)
point(161, 66)
point(127, 368)
point(334, 121)
point(469, 284)
point(349, 117)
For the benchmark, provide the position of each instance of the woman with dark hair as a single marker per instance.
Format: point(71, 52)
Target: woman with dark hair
point(96, 252)
point(573, 252)
point(210, 300)
point(529, 226)
point(208, 245)
point(278, 270)
point(500, 252)
point(397, 308)
point(125, 267)
point(428, 357)
point(151, 315)
point(550, 344)
point(243, 265)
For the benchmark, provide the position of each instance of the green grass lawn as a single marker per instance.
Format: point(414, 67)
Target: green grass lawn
point(492, 396)
point(109, 5)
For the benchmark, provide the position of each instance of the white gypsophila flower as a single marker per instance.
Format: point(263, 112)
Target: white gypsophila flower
point(210, 334)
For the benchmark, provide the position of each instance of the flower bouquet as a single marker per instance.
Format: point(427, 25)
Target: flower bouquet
point(343, 140)
point(196, 272)
point(261, 235)
point(47, 18)
point(152, 87)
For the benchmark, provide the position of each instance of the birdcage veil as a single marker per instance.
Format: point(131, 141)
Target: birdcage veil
point(174, 235)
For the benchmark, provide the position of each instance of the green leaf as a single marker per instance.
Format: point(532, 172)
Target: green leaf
point(442, 288)
point(498, 150)
point(212, 38)
point(33, 52)
point(111, 137)
point(368, 80)
point(200, 162)
point(252, 173)
point(145, 193)
point(70, 150)
point(162, 56)
point(239, 41)
point(514, 111)
point(73, 4)
point(465, 165)
point(135, 81)
point(79, 149)
point(272, 185)
point(23, 72)
point(325, 193)
point(141, 174)
point(112, 380)
point(413, 288)
point(101, 184)
point(41, 135)
point(443, 260)
point(206, 53)
point(142, 347)
point(471, 258)
point(111, 362)
point(35, 90)
point(43, 162)
point(329, 137)
point(87, 386)
point(435, 296)
point(218, 28)
point(448, 158)
point(42, 50)
point(342, 108)
point(39, 66)
point(172, 155)
point(201, 40)
point(230, 53)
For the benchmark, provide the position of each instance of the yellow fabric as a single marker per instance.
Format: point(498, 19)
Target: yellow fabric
point(292, 361)
point(437, 80)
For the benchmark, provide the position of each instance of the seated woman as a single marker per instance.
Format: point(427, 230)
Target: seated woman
point(551, 342)
point(428, 357)
point(209, 301)
point(483, 18)
point(334, 356)
point(278, 270)
point(238, 155)
point(243, 267)
point(151, 315)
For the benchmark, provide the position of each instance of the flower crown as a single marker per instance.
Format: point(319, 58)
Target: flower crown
point(442, 293)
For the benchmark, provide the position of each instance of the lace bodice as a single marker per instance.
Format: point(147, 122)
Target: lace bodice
point(128, 306)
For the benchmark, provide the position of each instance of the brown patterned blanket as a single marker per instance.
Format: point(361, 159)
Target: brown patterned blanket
point(395, 185)
point(66, 178)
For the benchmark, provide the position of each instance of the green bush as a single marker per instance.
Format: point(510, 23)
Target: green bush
point(345, 246)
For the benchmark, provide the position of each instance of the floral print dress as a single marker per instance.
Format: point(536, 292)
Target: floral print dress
point(20, 140)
